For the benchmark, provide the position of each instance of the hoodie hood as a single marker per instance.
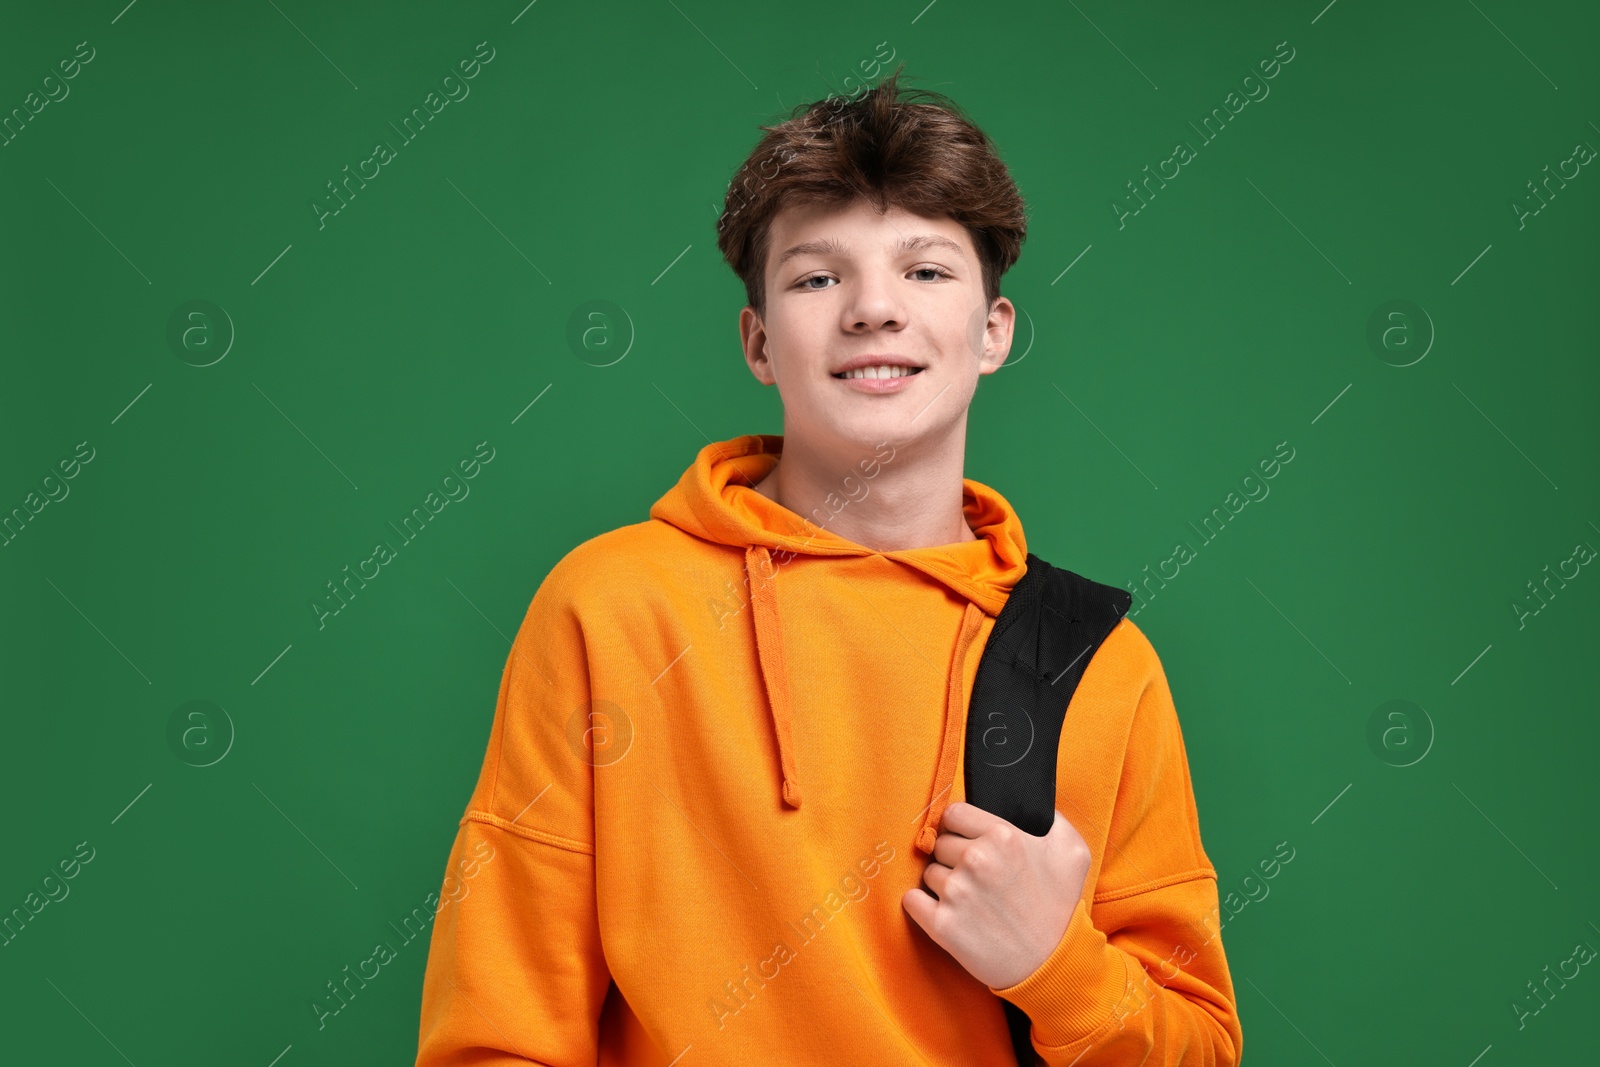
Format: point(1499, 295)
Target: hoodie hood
point(715, 500)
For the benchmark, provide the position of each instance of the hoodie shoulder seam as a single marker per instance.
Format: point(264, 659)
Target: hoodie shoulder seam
point(1196, 874)
point(555, 840)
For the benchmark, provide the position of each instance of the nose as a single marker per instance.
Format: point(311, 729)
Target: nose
point(874, 304)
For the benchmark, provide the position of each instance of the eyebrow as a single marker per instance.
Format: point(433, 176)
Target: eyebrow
point(833, 246)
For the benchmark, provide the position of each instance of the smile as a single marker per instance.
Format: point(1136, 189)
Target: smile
point(880, 372)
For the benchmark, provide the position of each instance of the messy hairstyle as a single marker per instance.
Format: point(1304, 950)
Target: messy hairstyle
point(910, 148)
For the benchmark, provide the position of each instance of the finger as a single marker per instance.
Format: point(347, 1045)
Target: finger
point(922, 908)
point(949, 848)
point(937, 876)
point(969, 820)
point(1063, 833)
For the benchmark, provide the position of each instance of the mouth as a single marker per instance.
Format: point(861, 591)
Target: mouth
point(880, 373)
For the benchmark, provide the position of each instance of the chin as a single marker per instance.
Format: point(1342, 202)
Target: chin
point(866, 434)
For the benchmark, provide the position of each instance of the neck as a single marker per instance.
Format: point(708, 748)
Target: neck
point(886, 499)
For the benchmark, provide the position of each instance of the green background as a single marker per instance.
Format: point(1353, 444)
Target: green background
point(369, 355)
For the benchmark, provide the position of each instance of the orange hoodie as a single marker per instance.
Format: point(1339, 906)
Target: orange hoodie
point(724, 742)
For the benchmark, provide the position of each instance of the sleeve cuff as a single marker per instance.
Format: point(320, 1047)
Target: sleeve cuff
point(1075, 992)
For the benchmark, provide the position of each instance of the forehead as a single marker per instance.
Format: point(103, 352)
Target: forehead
point(860, 230)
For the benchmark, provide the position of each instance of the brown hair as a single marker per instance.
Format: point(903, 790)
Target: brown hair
point(886, 146)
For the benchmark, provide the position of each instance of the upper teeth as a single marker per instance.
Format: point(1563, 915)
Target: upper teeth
point(878, 372)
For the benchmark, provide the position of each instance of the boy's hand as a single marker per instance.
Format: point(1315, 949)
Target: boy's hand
point(1004, 895)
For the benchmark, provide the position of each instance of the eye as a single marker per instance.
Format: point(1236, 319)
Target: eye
point(805, 283)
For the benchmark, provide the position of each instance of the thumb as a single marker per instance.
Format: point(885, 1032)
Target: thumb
point(1061, 830)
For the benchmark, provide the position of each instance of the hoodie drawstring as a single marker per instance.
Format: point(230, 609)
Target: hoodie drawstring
point(760, 571)
point(954, 736)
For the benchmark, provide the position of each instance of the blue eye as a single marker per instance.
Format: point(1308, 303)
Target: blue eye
point(805, 283)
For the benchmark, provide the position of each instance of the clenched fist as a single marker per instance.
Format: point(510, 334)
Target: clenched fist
point(1004, 895)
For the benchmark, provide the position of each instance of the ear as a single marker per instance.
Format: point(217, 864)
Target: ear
point(996, 334)
point(753, 339)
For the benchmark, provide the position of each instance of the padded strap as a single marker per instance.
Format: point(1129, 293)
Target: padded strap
point(1049, 629)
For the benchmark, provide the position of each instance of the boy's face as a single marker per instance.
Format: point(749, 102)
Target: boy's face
point(855, 291)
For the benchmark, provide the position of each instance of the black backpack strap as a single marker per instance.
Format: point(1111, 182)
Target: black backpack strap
point(1049, 629)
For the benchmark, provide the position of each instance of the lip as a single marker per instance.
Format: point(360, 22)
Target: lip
point(880, 385)
point(876, 359)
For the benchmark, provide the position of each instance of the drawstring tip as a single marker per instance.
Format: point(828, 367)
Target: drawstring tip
point(927, 838)
point(791, 794)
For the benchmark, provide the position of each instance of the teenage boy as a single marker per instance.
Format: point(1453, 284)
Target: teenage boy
point(721, 819)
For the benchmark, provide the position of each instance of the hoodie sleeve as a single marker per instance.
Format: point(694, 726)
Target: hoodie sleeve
point(1139, 976)
point(515, 971)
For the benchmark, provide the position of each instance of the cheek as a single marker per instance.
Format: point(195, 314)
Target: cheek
point(972, 333)
point(796, 339)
